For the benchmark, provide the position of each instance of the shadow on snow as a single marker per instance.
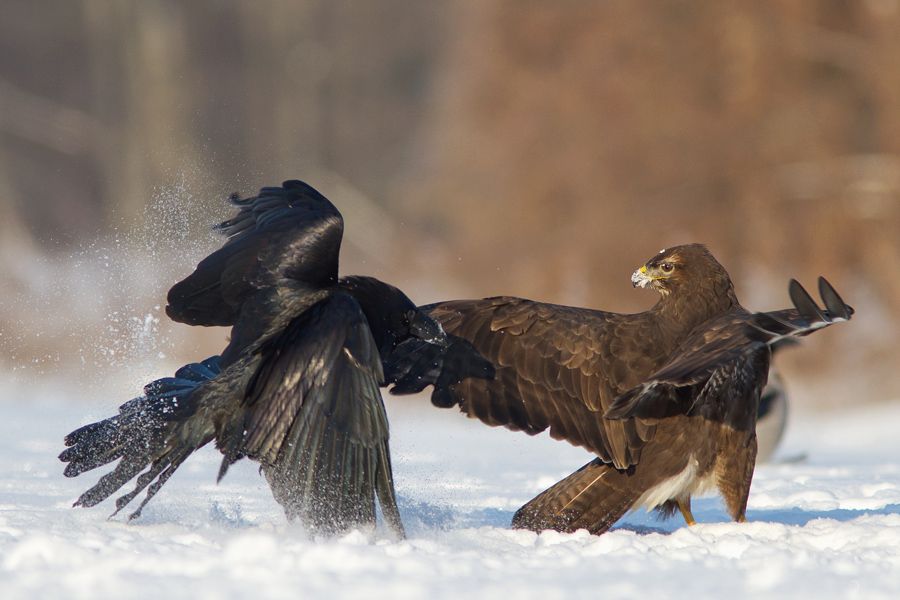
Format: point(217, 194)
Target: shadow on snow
point(422, 516)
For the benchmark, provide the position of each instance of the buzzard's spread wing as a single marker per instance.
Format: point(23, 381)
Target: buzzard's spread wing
point(718, 374)
point(721, 368)
point(557, 367)
point(283, 234)
point(806, 316)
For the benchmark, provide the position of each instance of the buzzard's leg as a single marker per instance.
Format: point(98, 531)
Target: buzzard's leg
point(734, 473)
point(594, 497)
point(685, 507)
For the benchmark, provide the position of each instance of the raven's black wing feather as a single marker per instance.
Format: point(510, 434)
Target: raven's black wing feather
point(137, 436)
point(282, 235)
point(314, 418)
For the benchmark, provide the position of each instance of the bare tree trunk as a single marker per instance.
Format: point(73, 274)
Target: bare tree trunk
point(150, 139)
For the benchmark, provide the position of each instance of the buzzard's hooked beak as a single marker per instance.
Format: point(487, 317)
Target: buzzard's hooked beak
point(641, 278)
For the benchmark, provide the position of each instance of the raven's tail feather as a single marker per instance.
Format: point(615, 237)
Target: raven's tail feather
point(148, 433)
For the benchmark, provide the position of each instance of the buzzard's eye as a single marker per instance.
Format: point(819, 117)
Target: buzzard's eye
point(667, 267)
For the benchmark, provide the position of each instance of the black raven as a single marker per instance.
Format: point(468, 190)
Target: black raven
point(296, 388)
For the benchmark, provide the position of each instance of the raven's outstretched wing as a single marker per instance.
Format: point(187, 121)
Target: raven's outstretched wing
point(286, 234)
point(305, 403)
point(138, 437)
point(314, 418)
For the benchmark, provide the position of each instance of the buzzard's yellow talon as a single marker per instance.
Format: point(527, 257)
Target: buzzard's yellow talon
point(685, 508)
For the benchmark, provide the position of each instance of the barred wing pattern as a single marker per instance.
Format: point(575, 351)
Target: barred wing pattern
point(557, 368)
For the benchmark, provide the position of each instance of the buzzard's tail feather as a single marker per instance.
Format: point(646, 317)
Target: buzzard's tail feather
point(594, 497)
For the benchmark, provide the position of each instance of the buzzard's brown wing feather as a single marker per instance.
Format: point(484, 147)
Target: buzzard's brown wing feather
point(557, 368)
point(722, 365)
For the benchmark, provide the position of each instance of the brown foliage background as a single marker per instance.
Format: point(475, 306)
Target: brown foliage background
point(541, 149)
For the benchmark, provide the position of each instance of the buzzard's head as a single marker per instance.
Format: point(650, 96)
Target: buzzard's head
point(688, 268)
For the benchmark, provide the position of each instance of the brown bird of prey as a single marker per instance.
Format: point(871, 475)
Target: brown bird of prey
point(667, 399)
point(297, 387)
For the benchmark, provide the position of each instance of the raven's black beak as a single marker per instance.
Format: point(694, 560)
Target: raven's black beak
point(426, 329)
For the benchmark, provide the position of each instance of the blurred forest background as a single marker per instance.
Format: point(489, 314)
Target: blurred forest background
point(482, 147)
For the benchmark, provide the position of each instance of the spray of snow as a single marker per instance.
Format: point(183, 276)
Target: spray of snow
point(96, 314)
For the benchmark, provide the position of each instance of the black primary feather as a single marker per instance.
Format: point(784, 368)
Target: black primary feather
point(137, 436)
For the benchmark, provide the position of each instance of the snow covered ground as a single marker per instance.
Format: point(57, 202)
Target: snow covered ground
point(825, 527)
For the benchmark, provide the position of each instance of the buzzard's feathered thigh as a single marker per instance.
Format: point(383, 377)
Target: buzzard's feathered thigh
point(674, 467)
